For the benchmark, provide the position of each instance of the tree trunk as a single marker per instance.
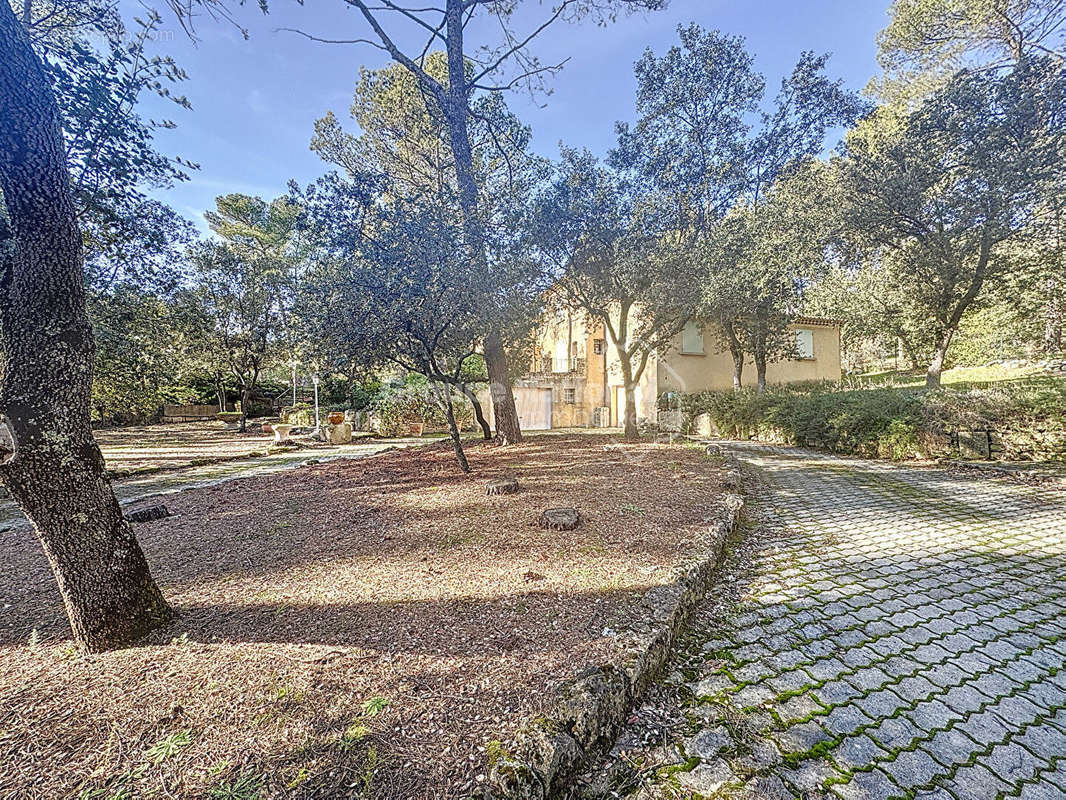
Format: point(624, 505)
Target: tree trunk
point(220, 391)
point(760, 372)
point(49, 460)
point(630, 427)
point(479, 413)
point(457, 112)
point(736, 351)
point(936, 366)
point(453, 428)
point(504, 411)
point(245, 395)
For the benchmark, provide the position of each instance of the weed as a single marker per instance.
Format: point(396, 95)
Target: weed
point(245, 787)
point(168, 746)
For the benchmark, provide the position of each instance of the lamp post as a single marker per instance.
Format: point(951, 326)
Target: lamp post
point(294, 384)
point(314, 379)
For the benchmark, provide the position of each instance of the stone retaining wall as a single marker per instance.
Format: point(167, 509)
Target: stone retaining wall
point(589, 710)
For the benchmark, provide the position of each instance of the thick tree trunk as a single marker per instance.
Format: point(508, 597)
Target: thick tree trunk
point(504, 411)
point(630, 430)
point(453, 428)
point(760, 372)
point(50, 462)
point(936, 365)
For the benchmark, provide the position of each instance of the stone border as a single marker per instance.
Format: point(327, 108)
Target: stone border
point(548, 752)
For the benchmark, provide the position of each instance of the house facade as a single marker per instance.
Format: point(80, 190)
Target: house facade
point(576, 377)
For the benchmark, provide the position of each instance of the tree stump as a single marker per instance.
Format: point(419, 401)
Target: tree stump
point(147, 514)
point(560, 519)
point(502, 486)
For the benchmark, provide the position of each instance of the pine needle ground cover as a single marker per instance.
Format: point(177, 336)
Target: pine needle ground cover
point(356, 628)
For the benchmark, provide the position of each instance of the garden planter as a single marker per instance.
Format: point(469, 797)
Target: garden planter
point(414, 428)
point(336, 417)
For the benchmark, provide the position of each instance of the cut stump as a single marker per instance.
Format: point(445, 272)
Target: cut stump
point(147, 514)
point(560, 519)
point(502, 486)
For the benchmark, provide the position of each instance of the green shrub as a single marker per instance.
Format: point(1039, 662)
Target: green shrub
point(1028, 417)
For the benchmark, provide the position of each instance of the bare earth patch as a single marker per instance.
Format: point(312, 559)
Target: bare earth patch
point(362, 629)
point(175, 445)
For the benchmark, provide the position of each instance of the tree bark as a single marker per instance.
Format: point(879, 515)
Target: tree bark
point(453, 428)
point(936, 365)
point(760, 372)
point(736, 351)
point(504, 411)
point(50, 461)
point(245, 395)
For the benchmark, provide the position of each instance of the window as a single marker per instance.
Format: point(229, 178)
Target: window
point(805, 344)
point(599, 346)
point(692, 338)
point(570, 396)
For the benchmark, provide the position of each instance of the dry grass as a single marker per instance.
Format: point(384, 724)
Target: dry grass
point(175, 445)
point(357, 629)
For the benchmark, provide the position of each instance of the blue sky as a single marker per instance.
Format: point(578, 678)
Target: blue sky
point(255, 101)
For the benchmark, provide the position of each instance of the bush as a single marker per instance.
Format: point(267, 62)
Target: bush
point(416, 401)
point(1027, 419)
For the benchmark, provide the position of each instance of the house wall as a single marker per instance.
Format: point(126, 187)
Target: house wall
point(713, 370)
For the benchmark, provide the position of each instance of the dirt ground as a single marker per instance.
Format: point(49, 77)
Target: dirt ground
point(174, 445)
point(348, 629)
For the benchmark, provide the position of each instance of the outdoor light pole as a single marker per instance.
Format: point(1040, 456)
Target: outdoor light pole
point(294, 384)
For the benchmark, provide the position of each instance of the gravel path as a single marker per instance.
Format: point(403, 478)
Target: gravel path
point(885, 631)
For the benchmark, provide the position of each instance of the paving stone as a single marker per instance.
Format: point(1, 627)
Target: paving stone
point(1013, 763)
point(912, 769)
point(915, 639)
point(706, 778)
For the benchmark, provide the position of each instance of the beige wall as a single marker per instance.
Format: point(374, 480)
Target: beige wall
point(714, 369)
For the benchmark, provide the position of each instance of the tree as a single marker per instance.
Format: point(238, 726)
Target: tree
point(51, 464)
point(693, 141)
point(470, 72)
point(393, 286)
point(941, 193)
point(600, 239)
point(239, 292)
point(925, 44)
point(774, 238)
point(927, 41)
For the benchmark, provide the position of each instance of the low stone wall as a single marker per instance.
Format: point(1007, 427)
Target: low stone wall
point(589, 711)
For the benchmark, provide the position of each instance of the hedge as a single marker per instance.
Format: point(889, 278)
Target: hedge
point(1025, 420)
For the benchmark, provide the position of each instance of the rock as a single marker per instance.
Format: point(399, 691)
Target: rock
point(147, 514)
point(502, 486)
point(560, 519)
point(709, 742)
point(707, 778)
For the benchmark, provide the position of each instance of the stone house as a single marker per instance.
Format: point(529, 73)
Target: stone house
point(576, 379)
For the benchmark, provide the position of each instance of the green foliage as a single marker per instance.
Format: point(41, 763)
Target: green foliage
point(887, 422)
point(415, 400)
point(168, 746)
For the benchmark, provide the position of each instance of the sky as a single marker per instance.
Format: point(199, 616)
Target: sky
point(255, 101)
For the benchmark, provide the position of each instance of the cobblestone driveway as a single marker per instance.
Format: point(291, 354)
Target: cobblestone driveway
point(902, 634)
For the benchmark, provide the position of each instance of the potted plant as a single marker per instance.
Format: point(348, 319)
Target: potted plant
point(336, 417)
